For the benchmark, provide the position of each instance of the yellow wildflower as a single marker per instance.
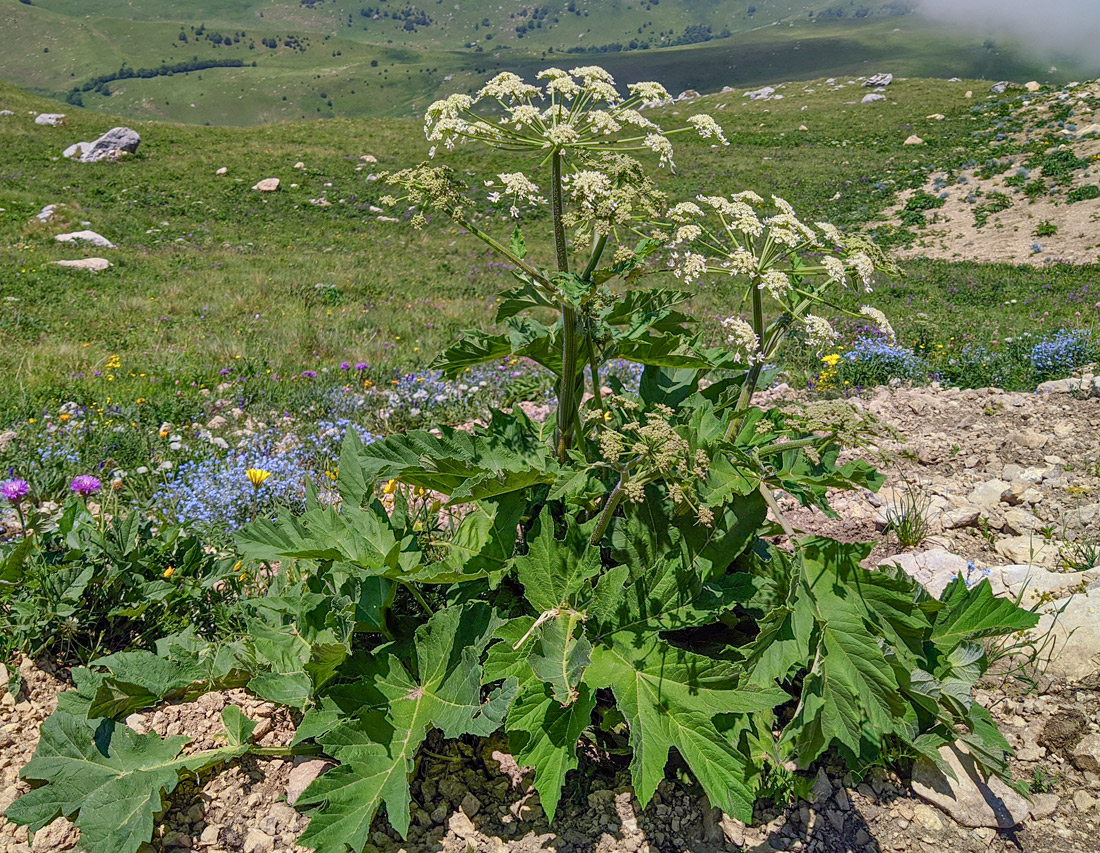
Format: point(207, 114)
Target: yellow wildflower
point(171, 570)
point(257, 476)
point(390, 487)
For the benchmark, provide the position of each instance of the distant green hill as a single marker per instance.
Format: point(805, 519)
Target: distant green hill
point(242, 62)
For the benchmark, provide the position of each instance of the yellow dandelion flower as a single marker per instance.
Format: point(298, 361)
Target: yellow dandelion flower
point(171, 570)
point(257, 476)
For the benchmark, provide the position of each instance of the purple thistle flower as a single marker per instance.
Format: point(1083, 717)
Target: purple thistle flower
point(345, 366)
point(309, 374)
point(362, 365)
point(14, 490)
point(85, 485)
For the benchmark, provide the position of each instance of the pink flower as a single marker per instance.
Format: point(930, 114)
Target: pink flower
point(85, 485)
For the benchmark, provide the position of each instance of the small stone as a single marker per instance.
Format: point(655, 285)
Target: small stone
point(209, 837)
point(1029, 438)
point(85, 237)
point(58, 835)
point(471, 805)
point(302, 776)
point(90, 264)
point(926, 817)
point(222, 171)
point(299, 165)
point(822, 789)
point(267, 185)
point(1044, 805)
point(733, 829)
point(258, 841)
point(1032, 85)
point(1083, 801)
point(49, 119)
point(1086, 755)
point(914, 140)
point(177, 839)
point(461, 825)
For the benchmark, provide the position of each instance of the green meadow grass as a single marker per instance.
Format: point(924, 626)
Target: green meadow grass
point(210, 275)
point(378, 68)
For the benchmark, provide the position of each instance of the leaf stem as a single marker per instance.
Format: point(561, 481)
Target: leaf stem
point(608, 510)
point(411, 587)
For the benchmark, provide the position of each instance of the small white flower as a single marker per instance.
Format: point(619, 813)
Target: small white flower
point(601, 91)
point(742, 335)
point(776, 283)
point(708, 127)
point(879, 319)
point(635, 118)
point(831, 232)
point(683, 211)
point(686, 234)
point(819, 333)
point(603, 122)
point(523, 115)
point(864, 267)
point(660, 144)
point(651, 94)
point(563, 135)
point(835, 269)
point(592, 73)
point(740, 262)
point(691, 268)
point(507, 86)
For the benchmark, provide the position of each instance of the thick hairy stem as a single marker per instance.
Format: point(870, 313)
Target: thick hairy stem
point(593, 262)
point(567, 395)
point(608, 510)
point(749, 386)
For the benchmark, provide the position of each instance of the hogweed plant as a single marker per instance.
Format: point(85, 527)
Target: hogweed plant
point(619, 576)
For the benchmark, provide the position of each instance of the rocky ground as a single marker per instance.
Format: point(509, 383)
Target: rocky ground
point(1008, 485)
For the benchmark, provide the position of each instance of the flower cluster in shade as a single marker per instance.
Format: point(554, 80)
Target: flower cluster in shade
point(1061, 354)
point(219, 491)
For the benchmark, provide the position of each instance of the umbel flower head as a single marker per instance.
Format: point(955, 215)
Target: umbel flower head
point(14, 490)
point(571, 111)
point(257, 476)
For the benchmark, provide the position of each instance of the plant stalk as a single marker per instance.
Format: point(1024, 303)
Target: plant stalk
point(608, 510)
point(567, 395)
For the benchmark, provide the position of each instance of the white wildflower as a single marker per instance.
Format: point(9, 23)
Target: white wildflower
point(740, 262)
point(651, 94)
point(449, 107)
point(603, 122)
point(742, 335)
point(589, 187)
point(522, 115)
point(819, 333)
point(660, 144)
point(831, 232)
point(879, 319)
point(691, 268)
point(686, 234)
point(835, 269)
point(743, 218)
point(783, 205)
point(635, 118)
point(601, 91)
point(776, 283)
point(562, 135)
point(507, 86)
point(592, 73)
point(748, 196)
point(707, 127)
point(683, 211)
point(864, 267)
point(565, 86)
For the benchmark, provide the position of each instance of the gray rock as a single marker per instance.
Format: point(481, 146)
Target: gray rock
point(77, 150)
point(761, 94)
point(989, 494)
point(116, 141)
point(969, 798)
point(90, 264)
point(6, 113)
point(1034, 583)
point(953, 519)
point(1021, 521)
point(1044, 805)
point(1071, 631)
point(872, 97)
point(999, 88)
point(46, 214)
point(55, 836)
point(876, 80)
point(302, 776)
point(1029, 438)
point(258, 841)
point(49, 119)
point(85, 237)
point(1086, 755)
point(1031, 549)
point(267, 185)
point(933, 569)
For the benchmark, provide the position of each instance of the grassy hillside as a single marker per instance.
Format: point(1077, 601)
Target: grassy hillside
point(324, 59)
point(209, 275)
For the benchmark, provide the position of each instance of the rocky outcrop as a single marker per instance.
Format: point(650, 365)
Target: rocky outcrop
point(115, 143)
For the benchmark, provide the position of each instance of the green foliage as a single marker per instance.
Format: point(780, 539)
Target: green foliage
point(616, 563)
point(82, 587)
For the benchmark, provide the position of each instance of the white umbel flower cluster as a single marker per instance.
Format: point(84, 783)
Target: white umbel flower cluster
point(879, 319)
point(819, 332)
point(743, 338)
